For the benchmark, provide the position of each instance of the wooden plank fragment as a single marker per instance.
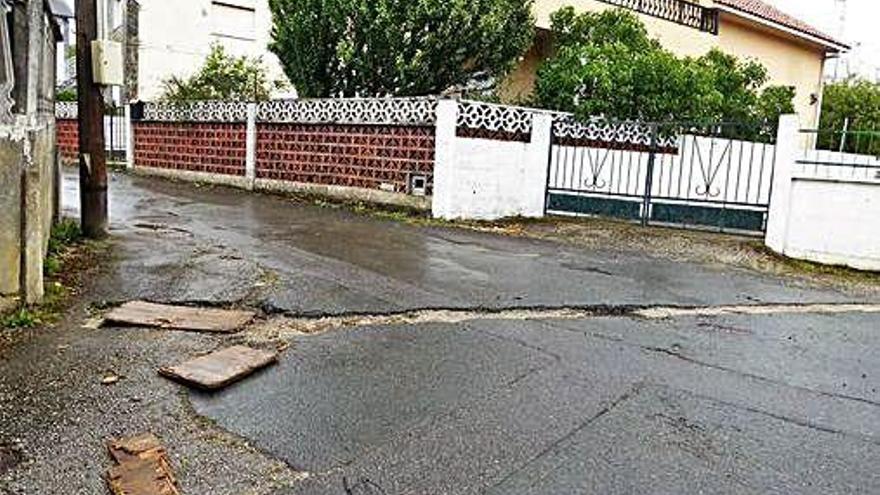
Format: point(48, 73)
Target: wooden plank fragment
point(143, 467)
point(220, 369)
point(210, 320)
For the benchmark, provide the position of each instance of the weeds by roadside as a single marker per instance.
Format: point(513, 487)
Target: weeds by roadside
point(67, 255)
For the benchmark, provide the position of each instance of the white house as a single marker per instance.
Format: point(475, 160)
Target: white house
point(164, 38)
point(171, 38)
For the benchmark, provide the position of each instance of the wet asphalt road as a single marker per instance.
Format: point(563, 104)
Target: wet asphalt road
point(733, 404)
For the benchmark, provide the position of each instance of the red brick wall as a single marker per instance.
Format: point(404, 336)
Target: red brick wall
point(68, 140)
point(345, 155)
point(191, 146)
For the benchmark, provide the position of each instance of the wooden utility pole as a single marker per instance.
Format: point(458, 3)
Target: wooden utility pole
point(90, 105)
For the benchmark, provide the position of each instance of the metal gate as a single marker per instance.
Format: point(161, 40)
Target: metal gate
point(716, 177)
point(115, 133)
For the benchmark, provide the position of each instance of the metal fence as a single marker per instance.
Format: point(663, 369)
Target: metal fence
point(716, 176)
point(115, 133)
point(841, 155)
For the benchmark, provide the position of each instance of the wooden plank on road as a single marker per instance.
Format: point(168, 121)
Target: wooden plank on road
point(211, 320)
point(220, 369)
point(142, 467)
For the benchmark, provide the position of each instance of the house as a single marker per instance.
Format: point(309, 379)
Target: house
point(793, 52)
point(165, 38)
point(28, 168)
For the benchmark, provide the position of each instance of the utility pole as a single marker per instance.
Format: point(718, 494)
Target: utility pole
point(90, 105)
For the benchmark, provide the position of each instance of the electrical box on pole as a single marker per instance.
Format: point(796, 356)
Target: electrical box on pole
point(107, 64)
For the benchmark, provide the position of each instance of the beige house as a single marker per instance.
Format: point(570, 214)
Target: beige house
point(793, 52)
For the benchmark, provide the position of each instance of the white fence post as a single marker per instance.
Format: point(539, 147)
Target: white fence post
point(539, 165)
point(787, 144)
point(444, 157)
point(250, 161)
point(129, 137)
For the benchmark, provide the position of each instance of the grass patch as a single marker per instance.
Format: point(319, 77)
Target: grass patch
point(21, 318)
point(67, 256)
point(65, 234)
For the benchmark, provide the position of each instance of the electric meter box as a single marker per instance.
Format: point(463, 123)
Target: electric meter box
point(107, 66)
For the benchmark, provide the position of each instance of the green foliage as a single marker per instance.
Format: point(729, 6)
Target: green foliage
point(396, 47)
point(66, 94)
point(64, 233)
point(21, 318)
point(859, 101)
point(222, 77)
point(607, 65)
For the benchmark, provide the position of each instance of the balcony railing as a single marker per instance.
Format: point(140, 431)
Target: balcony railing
point(679, 11)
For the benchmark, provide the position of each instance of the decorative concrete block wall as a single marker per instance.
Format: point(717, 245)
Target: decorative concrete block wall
point(491, 161)
point(67, 131)
point(209, 147)
point(364, 156)
point(68, 140)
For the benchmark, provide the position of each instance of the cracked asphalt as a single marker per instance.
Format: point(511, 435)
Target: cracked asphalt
point(604, 403)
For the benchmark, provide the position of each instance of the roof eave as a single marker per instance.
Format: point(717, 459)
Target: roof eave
point(834, 46)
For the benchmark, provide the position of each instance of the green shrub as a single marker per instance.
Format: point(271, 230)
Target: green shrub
point(606, 65)
point(334, 48)
point(64, 233)
point(222, 77)
point(21, 318)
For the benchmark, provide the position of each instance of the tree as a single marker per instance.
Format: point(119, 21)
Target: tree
point(221, 77)
point(606, 65)
point(396, 47)
point(859, 101)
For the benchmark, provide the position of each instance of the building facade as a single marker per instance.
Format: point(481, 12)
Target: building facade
point(793, 52)
point(28, 166)
point(167, 38)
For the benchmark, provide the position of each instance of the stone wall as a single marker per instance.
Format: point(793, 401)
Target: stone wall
point(28, 175)
point(28, 165)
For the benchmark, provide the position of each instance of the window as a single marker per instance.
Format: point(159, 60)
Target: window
point(234, 19)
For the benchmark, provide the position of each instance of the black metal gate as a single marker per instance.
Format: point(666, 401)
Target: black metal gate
point(716, 177)
point(115, 133)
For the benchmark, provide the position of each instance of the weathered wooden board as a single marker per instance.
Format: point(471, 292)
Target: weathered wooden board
point(143, 467)
point(220, 369)
point(211, 320)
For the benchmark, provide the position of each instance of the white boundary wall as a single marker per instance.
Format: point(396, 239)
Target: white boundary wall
point(487, 179)
point(825, 214)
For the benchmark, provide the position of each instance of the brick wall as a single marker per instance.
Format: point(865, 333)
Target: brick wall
point(365, 156)
point(68, 140)
point(218, 148)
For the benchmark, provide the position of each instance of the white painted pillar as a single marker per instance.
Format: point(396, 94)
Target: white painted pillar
point(129, 137)
point(444, 158)
point(250, 161)
point(787, 146)
point(538, 163)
